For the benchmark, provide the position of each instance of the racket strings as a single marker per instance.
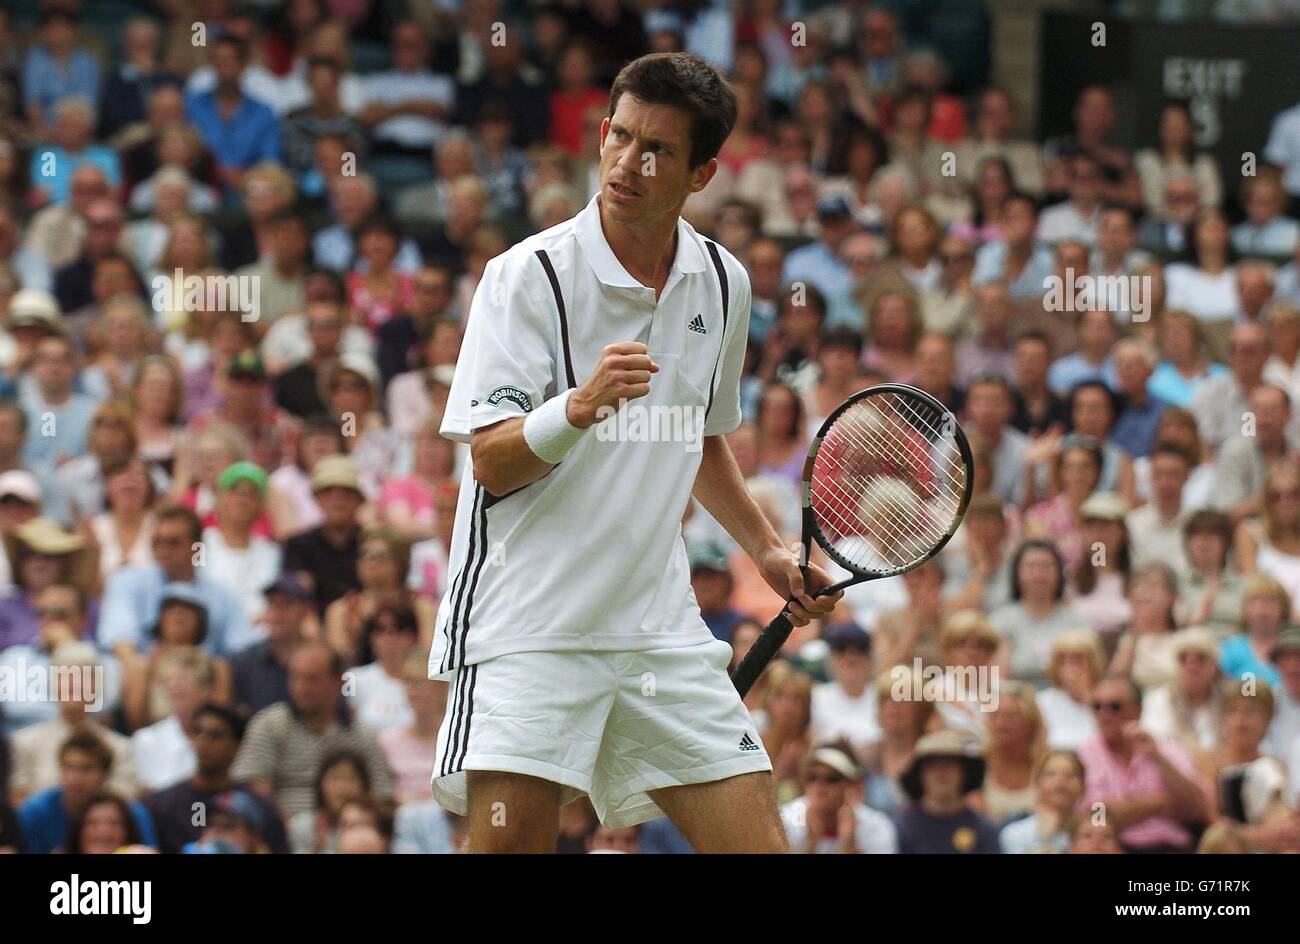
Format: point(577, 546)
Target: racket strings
point(888, 482)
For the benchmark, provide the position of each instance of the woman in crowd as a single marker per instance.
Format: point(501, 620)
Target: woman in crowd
point(791, 346)
point(122, 532)
point(1093, 410)
point(1058, 784)
point(993, 184)
point(1283, 367)
point(376, 289)
point(341, 778)
point(1176, 153)
point(416, 396)
point(1189, 710)
point(411, 749)
point(1184, 363)
point(787, 702)
point(157, 393)
point(1100, 579)
point(1265, 609)
point(893, 332)
point(182, 625)
point(383, 562)
point(1038, 614)
point(1205, 283)
point(838, 375)
point(1145, 650)
point(405, 502)
point(1016, 742)
point(782, 437)
point(1212, 590)
point(1078, 471)
point(41, 554)
point(830, 816)
point(914, 243)
point(857, 153)
point(188, 253)
point(378, 695)
point(125, 333)
point(902, 723)
point(967, 645)
point(1270, 545)
point(102, 826)
point(1075, 667)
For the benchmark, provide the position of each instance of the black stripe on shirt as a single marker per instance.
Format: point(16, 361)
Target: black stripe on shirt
point(726, 302)
point(564, 320)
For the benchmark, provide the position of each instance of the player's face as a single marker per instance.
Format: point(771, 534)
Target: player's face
point(645, 172)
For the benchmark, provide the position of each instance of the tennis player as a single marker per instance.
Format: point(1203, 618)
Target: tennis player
point(576, 654)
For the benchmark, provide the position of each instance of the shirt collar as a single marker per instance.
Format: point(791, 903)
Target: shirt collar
point(591, 237)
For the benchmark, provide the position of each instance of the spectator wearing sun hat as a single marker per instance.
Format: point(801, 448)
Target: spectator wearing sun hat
point(41, 554)
point(945, 768)
point(830, 817)
point(353, 392)
point(237, 558)
point(326, 556)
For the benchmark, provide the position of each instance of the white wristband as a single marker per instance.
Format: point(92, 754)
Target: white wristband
point(549, 433)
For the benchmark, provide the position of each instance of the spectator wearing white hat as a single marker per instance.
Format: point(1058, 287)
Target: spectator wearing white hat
point(353, 394)
point(20, 502)
point(1188, 709)
point(830, 816)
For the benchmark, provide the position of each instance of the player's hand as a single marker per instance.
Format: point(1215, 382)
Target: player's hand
point(622, 373)
point(780, 568)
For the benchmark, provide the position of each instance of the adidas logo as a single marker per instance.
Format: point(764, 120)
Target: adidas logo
point(747, 743)
point(697, 325)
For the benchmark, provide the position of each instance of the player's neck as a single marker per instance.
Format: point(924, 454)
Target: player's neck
point(646, 252)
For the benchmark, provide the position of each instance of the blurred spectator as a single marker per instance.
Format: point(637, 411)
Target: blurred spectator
point(1188, 709)
point(1075, 666)
point(1058, 784)
point(1176, 157)
point(325, 557)
point(260, 673)
point(411, 748)
point(830, 817)
point(343, 776)
point(1145, 650)
point(69, 144)
point(1016, 742)
point(1150, 788)
point(1204, 282)
point(1265, 231)
point(405, 105)
point(283, 752)
point(944, 770)
point(240, 131)
point(56, 68)
point(1038, 614)
point(1212, 591)
point(845, 707)
point(1265, 610)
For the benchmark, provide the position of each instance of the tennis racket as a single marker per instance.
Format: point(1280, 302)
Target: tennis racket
point(886, 483)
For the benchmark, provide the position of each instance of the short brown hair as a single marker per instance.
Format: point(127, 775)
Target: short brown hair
point(687, 82)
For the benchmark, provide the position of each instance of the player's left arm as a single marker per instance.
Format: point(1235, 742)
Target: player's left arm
point(721, 489)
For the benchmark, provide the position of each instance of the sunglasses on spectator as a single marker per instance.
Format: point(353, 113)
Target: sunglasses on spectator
point(1115, 706)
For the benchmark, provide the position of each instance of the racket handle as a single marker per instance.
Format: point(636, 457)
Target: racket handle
point(764, 650)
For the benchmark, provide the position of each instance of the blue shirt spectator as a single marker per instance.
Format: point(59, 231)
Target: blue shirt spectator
point(1068, 372)
point(52, 169)
point(991, 264)
point(1168, 383)
point(134, 595)
point(45, 822)
point(249, 136)
point(48, 78)
point(1135, 429)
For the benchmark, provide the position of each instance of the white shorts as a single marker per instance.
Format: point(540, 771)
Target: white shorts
point(611, 725)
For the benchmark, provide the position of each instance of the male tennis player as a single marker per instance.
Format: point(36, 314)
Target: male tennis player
point(577, 657)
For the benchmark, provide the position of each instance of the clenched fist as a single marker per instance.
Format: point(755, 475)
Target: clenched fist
point(622, 373)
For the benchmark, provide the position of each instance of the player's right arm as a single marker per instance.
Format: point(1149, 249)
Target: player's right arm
point(504, 458)
point(509, 400)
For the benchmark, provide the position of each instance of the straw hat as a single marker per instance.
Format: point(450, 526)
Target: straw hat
point(945, 743)
point(44, 536)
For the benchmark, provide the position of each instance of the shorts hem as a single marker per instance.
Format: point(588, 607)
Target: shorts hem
point(573, 783)
point(642, 812)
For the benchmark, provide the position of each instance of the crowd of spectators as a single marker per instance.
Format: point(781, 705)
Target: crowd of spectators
point(235, 518)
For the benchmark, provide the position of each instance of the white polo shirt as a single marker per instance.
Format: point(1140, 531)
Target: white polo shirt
point(590, 556)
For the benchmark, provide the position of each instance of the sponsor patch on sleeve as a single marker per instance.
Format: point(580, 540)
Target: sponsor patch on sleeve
point(513, 394)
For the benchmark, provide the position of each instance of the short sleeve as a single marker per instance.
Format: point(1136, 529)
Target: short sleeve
point(724, 416)
point(507, 361)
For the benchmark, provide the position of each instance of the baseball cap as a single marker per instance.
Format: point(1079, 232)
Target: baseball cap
point(288, 584)
point(335, 472)
point(834, 206)
point(19, 483)
point(709, 557)
point(240, 804)
point(358, 364)
point(247, 365)
point(180, 592)
point(834, 757)
point(243, 471)
point(848, 636)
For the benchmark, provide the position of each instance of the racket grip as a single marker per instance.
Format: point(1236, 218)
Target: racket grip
point(764, 650)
